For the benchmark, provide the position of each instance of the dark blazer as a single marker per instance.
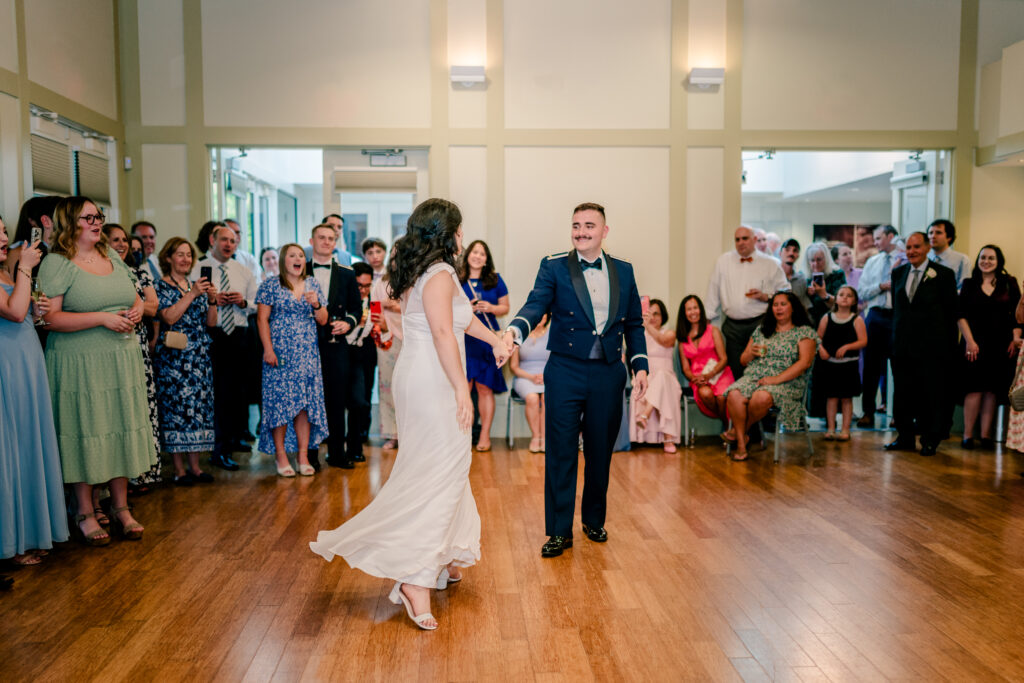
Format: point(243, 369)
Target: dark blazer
point(925, 329)
point(342, 299)
point(561, 290)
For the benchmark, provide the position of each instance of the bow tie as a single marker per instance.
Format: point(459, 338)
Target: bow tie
point(321, 265)
point(586, 264)
point(746, 259)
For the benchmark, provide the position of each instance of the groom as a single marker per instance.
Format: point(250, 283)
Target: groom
point(593, 302)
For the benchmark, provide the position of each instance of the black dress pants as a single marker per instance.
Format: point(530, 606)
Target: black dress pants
point(229, 356)
point(877, 353)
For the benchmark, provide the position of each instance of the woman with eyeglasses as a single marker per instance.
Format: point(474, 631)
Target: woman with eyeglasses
point(31, 490)
point(95, 367)
point(119, 241)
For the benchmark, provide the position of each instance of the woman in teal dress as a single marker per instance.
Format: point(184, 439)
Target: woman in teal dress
point(31, 491)
point(95, 367)
point(777, 358)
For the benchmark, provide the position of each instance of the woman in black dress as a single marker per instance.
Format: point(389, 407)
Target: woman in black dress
point(991, 340)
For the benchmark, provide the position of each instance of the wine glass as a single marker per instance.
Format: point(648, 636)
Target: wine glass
point(334, 317)
point(131, 333)
point(37, 292)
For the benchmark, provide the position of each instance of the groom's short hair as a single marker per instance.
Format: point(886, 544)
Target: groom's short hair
point(589, 206)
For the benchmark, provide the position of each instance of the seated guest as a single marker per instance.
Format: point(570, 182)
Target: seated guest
point(95, 368)
point(843, 256)
point(121, 244)
point(31, 489)
point(657, 417)
point(268, 262)
point(702, 357)
point(777, 358)
point(824, 279)
point(289, 308)
point(991, 340)
point(184, 374)
point(489, 296)
point(843, 334)
point(527, 364)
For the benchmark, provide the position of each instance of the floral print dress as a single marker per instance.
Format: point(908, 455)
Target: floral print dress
point(144, 280)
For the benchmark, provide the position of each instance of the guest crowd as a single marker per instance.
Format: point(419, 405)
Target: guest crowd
point(115, 351)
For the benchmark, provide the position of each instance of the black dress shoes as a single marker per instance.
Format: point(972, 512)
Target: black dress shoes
point(358, 457)
point(866, 422)
point(598, 535)
point(900, 445)
point(343, 463)
point(314, 461)
point(967, 444)
point(224, 462)
point(928, 449)
point(555, 546)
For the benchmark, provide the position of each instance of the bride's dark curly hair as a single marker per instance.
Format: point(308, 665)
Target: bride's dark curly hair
point(429, 237)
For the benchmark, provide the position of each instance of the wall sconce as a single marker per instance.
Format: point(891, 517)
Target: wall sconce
point(467, 76)
point(707, 77)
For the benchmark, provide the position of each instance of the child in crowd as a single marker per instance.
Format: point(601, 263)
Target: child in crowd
point(843, 335)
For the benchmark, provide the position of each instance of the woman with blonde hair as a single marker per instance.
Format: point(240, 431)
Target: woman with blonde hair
point(95, 367)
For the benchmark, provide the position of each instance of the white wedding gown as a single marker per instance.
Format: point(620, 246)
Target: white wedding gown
point(424, 517)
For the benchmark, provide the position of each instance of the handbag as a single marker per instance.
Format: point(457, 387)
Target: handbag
point(1017, 394)
point(175, 340)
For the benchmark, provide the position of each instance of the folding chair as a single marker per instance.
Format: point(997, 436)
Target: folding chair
point(513, 397)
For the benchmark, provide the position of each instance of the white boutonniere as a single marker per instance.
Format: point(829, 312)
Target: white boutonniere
point(928, 274)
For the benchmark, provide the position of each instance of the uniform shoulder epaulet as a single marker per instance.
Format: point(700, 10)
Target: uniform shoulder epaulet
point(342, 265)
point(618, 258)
point(560, 254)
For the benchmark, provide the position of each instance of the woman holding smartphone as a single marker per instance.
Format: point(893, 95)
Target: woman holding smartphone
point(184, 375)
point(489, 297)
point(289, 307)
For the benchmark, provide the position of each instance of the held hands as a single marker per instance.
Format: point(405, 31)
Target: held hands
point(269, 357)
point(116, 322)
point(31, 256)
point(501, 352)
point(509, 340)
point(340, 327)
point(972, 351)
point(464, 409)
point(640, 384)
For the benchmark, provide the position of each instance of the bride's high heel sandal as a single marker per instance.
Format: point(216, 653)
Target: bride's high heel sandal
point(445, 578)
point(399, 598)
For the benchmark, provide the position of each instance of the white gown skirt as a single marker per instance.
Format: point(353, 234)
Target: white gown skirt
point(424, 517)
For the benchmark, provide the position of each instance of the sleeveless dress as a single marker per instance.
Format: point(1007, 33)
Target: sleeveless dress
point(664, 393)
point(31, 489)
point(838, 377)
point(533, 356)
point(424, 517)
point(701, 356)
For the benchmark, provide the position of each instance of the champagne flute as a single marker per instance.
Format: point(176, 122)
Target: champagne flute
point(131, 333)
point(37, 292)
point(333, 319)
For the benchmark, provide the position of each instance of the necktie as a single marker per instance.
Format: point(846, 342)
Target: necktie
point(886, 275)
point(586, 264)
point(746, 259)
point(321, 265)
point(227, 313)
point(914, 283)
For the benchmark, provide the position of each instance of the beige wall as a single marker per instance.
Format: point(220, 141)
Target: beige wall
point(8, 36)
point(998, 214)
point(166, 200)
point(161, 58)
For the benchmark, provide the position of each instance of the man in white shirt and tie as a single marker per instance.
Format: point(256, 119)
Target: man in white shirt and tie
point(941, 235)
point(146, 232)
point(742, 283)
point(874, 290)
point(236, 296)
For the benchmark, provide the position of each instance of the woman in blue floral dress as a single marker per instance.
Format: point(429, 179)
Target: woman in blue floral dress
point(289, 307)
point(184, 377)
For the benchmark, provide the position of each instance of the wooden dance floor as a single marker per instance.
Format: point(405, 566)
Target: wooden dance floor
point(860, 565)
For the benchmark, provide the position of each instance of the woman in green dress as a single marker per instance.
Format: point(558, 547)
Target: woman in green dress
point(777, 358)
point(95, 366)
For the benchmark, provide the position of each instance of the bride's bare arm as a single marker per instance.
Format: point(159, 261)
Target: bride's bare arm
point(437, 305)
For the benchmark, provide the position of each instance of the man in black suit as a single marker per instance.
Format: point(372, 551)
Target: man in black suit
point(339, 285)
point(924, 341)
point(594, 306)
point(363, 359)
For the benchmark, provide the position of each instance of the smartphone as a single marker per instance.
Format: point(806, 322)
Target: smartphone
point(819, 278)
point(375, 307)
point(37, 235)
point(645, 305)
point(207, 272)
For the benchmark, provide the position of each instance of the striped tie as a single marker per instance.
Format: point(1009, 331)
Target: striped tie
point(227, 314)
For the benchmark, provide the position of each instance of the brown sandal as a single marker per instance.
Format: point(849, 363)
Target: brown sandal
point(94, 538)
point(133, 532)
point(740, 456)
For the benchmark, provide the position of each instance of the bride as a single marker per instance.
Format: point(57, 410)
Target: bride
point(423, 525)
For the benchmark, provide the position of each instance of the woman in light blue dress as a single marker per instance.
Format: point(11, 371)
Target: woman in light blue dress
point(289, 307)
point(32, 512)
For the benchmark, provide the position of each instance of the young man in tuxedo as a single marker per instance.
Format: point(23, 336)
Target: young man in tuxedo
point(363, 358)
point(343, 309)
point(924, 335)
point(594, 303)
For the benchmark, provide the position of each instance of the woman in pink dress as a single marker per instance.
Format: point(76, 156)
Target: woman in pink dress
point(657, 418)
point(702, 355)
